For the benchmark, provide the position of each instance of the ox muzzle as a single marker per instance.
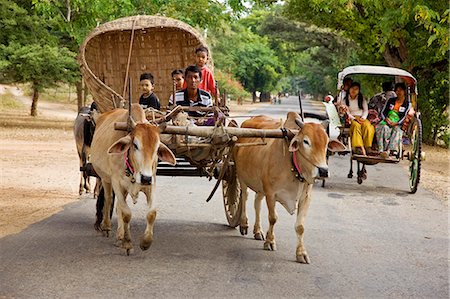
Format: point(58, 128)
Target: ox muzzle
point(146, 180)
point(323, 172)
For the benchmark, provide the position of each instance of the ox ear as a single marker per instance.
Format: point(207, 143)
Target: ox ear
point(293, 146)
point(336, 146)
point(120, 145)
point(165, 154)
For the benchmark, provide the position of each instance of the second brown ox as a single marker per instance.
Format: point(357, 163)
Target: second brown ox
point(282, 171)
point(126, 163)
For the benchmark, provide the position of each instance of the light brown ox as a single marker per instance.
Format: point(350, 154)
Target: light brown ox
point(110, 151)
point(269, 171)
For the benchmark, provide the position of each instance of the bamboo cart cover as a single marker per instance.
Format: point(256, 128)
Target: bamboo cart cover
point(154, 44)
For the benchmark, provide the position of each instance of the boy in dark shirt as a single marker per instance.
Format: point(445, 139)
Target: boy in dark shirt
point(148, 98)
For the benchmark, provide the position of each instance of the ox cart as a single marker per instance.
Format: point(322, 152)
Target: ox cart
point(112, 58)
point(411, 127)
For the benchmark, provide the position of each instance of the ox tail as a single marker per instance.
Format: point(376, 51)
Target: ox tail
point(99, 208)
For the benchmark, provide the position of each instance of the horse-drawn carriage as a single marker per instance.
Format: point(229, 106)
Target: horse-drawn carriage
point(412, 127)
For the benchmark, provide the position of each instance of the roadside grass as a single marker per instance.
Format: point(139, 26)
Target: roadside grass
point(62, 93)
point(9, 102)
point(21, 119)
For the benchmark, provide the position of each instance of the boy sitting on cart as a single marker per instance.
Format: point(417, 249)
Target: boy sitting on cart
point(193, 96)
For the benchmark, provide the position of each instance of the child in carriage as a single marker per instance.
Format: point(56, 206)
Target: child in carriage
point(148, 98)
point(208, 83)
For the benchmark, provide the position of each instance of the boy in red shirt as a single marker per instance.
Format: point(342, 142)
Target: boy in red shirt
point(208, 83)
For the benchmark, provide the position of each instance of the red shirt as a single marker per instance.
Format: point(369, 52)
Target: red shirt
point(208, 82)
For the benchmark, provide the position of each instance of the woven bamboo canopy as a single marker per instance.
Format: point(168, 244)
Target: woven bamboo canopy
point(138, 44)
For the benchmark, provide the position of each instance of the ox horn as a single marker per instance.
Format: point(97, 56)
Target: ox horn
point(131, 123)
point(299, 122)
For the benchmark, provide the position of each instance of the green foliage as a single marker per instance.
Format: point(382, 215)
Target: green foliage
point(312, 56)
point(42, 65)
point(17, 25)
point(410, 34)
point(249, 57)
point(227, 83)
point(29, 53)
point(436, 24)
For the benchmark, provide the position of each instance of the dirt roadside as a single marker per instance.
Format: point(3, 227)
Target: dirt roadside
point(39, 169)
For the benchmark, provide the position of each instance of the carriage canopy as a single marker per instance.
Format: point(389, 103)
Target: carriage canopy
point(378, 70)
point(127, 47)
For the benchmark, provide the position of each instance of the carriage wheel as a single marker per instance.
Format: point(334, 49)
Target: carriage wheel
point(231, 191)
point(415, 155)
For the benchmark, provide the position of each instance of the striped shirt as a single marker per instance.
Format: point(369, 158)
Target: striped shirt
point(203, 100)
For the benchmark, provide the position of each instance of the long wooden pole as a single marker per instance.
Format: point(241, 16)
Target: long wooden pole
point(209, 131)
point(239, 132)
point(129, 60)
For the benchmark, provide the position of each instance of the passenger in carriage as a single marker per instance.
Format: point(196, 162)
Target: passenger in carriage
point(192, 95)
point(148, 98)
point(389, 131)
point(361, 131)
point(178, 79)
point(344, 90)
point(377, 102)
point(208, 83)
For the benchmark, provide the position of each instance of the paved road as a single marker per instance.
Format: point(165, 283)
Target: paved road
point(365, 241)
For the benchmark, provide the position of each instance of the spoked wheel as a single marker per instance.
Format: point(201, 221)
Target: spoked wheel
point(231, 191)
point(415, 155)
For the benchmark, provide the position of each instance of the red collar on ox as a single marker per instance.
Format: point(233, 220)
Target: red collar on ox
point(298, 175)
point(129, 171)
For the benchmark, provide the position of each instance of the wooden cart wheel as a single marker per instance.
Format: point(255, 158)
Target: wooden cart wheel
point(231, 191)
point(416, 154)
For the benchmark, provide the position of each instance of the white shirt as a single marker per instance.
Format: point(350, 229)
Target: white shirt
point(354, 109)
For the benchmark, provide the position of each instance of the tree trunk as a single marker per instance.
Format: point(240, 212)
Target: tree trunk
point(34, 101)
point(396, 56)
point(264, 97)
point(79, 86)
point(254, 96)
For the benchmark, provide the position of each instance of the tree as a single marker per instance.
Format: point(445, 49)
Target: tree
point(28, 53)
point(71, 20)
point(248, 56)
point(312, 56)
point(41, 65)
point(399, 33)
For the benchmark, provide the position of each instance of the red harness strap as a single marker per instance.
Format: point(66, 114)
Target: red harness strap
point(129, 168)
point(294, 156)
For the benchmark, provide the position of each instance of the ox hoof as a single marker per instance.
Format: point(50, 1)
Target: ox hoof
point(118, 243)
point(106, 228)
point(243, 229)
point(259, 236)
point(145, 244)
point(303, 258)
point(127, 246)
point(97, 226)
point(270, 245)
